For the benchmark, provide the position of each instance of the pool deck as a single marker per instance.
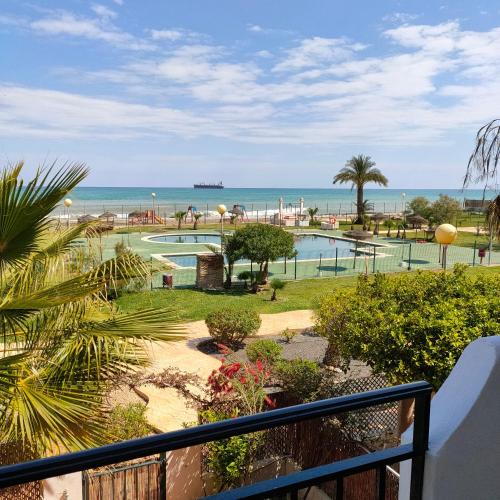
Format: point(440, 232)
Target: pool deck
point(392, 255)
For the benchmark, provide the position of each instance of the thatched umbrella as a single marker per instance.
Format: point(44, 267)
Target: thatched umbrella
point(416, 220)
point(377, 218)
point(107, 215)
point(86, 218)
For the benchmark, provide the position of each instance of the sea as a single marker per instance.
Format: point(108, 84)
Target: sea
point(167, 200)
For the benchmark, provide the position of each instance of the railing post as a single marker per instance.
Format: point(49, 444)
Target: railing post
point(336, 259)
point(409, 258)
point(295, 270)
point(420, 444)
point(319, 269)
point(162, 477)
point(474, 254)
point(374, 259)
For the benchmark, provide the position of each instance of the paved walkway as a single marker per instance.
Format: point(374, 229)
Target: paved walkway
point(166, 410)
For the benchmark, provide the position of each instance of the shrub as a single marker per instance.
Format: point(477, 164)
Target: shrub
point(128, 422)
point(231, 326)
point(230, 459)
point(300, 378)
point(245, 276)
point(277, 284)
point(287, 335)
point(265, 350)
point(411, 327)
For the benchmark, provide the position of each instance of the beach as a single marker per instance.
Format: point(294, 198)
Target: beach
point(258, 202)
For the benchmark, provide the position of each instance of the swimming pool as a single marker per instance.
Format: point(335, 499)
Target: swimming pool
point(309, 247)
point(202, 239)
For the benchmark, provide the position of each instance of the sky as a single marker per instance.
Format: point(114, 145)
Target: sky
point(260, 93)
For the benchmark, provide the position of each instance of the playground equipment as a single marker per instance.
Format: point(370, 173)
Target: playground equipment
point(240, 211)
point(191, 211)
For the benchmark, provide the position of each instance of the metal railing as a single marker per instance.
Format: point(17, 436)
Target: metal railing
point(36, 470)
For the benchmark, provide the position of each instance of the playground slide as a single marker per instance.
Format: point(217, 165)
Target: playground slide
point(159, 220)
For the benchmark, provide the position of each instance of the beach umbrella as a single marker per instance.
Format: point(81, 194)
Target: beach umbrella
point(108, 215)
point(416, 220)
point(86, 218)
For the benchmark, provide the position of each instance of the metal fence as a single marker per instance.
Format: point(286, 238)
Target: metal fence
point(400, 256)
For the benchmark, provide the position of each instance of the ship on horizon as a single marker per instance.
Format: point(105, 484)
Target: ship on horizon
point(203, 185)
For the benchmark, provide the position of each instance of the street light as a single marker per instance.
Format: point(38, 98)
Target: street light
point(445, 235)
point(67, 203)
point(222, 210)
point(153, 196)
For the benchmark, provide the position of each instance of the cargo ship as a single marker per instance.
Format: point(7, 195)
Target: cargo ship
point(202, 185)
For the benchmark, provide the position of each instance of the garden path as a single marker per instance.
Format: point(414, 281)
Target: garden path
point(166, 410)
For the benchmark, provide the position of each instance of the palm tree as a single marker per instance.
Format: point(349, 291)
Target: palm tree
point(312, 214)
point(483, 167)
point(276, 284)
point(196, 217)
point(179, 217)
point(62, 342)
point(358, 171)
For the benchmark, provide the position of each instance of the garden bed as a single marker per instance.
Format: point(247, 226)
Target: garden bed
point(306, 345)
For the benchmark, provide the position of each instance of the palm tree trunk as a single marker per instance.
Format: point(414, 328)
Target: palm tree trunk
point(359, 203)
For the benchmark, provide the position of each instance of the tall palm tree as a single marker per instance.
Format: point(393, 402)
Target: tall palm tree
point(483, 167)
point(358, 171)
point(61, 342)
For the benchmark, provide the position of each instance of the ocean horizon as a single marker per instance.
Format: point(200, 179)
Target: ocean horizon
point(122, 200)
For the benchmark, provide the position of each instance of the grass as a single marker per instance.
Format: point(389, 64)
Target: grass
point(192, 305)
point(464, 239)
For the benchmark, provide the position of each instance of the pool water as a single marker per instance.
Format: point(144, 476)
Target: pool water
point(187, 238)
point(307, 246)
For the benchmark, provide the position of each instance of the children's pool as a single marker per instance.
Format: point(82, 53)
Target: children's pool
point(187, 238)
point(308, 247)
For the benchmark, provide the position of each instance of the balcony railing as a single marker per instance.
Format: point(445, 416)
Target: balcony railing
point(36, 470)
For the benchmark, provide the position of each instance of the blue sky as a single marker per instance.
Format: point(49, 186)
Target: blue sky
point(255, 93)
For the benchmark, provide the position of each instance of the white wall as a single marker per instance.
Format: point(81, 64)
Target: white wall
point(70, 485)
point(463, 461)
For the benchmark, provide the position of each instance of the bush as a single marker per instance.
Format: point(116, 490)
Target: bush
point(411, 327)
point(287, 335)
point(231, 326)
point(265, 350)
point(128, 422)
point(300, 378)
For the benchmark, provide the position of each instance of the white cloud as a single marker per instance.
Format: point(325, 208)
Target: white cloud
point(317, 50)
point(103, 11)
point(400, 17)
point(118, 2)
point(68, 24)
point(264, 53)
point(171, 35)
point(254, 28)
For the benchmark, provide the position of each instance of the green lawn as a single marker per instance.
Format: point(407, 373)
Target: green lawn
point(191, 304)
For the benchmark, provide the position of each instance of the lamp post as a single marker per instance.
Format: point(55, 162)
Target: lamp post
point(403, 204)
point(153, 196)
point(222, 210)
point(67, 203)
point(445, 235)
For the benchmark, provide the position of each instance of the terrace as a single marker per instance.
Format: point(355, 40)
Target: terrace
point(451, 434)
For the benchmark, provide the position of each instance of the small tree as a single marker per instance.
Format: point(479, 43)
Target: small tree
point(444, 209)
point(277, 284)
point(389, 224)
point(266, 350)
point(263, 243)
point(420, 205)
point(196, 217)
point(312, 214)
point(245, 276)
point(179, 217)
point(233, 251)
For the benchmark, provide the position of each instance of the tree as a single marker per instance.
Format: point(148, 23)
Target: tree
point(444, 209)
point(358, 171)
point(483, 168)
point(420, 205)
point(196, 217)
point(312, 214)
point(389, 224)
point(413, 326)
point(232, 245)
point(179, 217)
point(63, 342)
point(277, 284)
point(263, 243)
